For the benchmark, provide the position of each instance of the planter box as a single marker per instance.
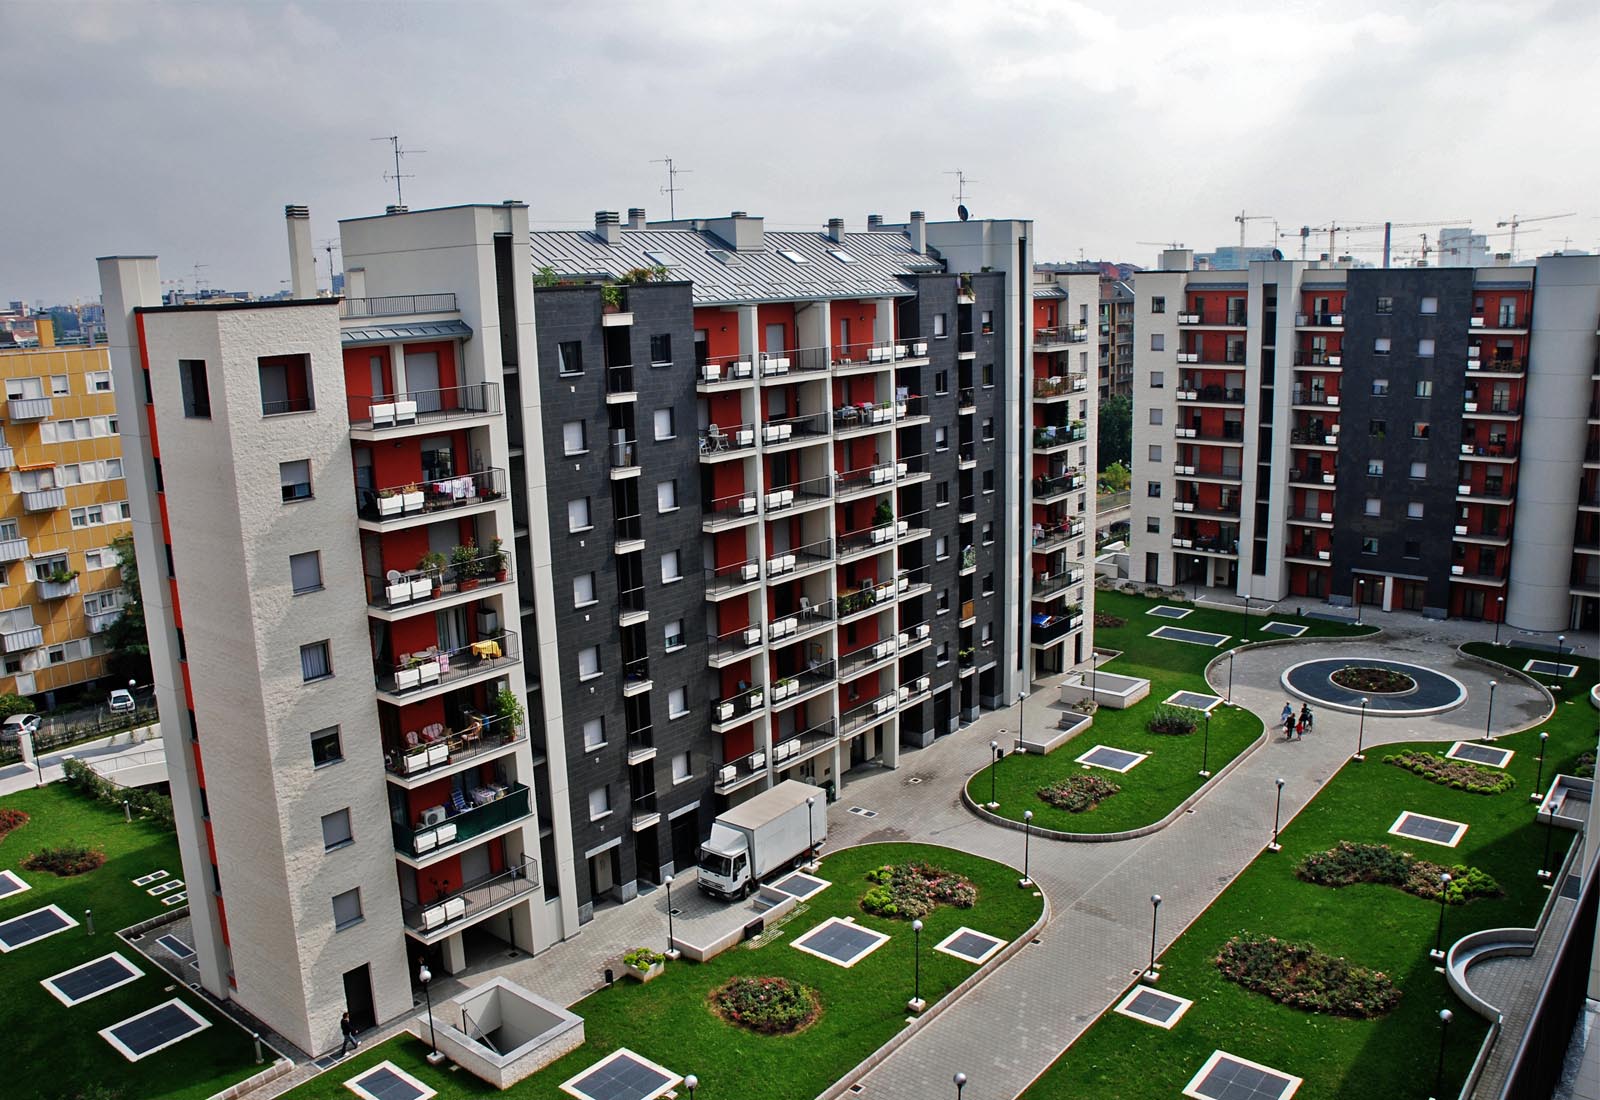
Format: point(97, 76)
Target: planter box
point(390, 506)
point(398, 593)
point(648, 974)
point(412, 502)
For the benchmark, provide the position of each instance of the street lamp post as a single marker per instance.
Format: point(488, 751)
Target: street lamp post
point(917, 1003)
point(691, 1083)
point(424, 975)
point(1245, 635)
point(1445, 1016)
point(672, 950)
point(1277, 812)
point(1488, 719)
point(1545, 871)
point(1198, 567)
point(1361, 730)
point(1538, 782)
point(1230, 677)
point(1022, 724)
point(1561, 648)
point(1499, 617)
point(1361, 589)
point(1151, 975)
point(1437, 954)
point(811, 833)
point(994, 759)
point(1205, 744)
point(961, 1083)
point(1027, 842)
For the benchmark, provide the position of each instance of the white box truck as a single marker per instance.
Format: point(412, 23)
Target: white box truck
point(771, 832)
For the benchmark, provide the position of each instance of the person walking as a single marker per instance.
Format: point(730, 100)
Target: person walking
point(1305, 718)
point(1300, 729)
point(1288, 711)
point(348, 1030)
point(1288, 726)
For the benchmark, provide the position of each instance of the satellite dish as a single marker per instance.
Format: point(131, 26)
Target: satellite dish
point(1277, 253)
point(961, 211)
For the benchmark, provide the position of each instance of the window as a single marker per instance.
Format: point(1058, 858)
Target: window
point(1158, 341)
point(941, 494)
point(1158, 379)
point(326, 748)
point(60, 386)
point(1374, 506)
point(986, 322)
point(986, 375)
point(583, 590)
point(941, 438)
point(1374, 467)
point(196, 389)
point(594, 734)
point(1419, 429)
point(1380, 387)
point(569, 356)
point(1419, 471)
point(1424, 387)
point(99, 381)
point(1369, 545)
point(677, 702)
point(667, 496)
point(942, 601)
point(682, 772)
point(792, 256)
point(285, 384)
point(305, 571)
point(599, 803)
point(1377, 428)
point(1425, 348)
point(673, 635)
point(346, 909)
point(661, 349)
point(941, 382)
point(588, 662)
point(1414, 510)
point(1158, 305)
point(295, 480)
point(315, 662)
point(941, 655)
point(664, 424)
point(669, 567)
point(1427, 305)
point(1152, 525)
point(941, 547)
point(988, 480)
point(988, 428)
point(1155, 452)
point(1413, 548)
point(336, 830)
point(986, 534)
point(1155, 416)
point(1380, 345)
point(578, 515)
point(574, 439)
point(939, 332)
point(1152, 489)
point(101, 557)
point(1385, 305)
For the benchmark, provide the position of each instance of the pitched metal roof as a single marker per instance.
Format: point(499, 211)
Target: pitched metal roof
point(1049, 290)
point(879, 264)
point(388, 334)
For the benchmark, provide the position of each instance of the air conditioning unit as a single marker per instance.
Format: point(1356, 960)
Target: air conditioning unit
point(433, 815)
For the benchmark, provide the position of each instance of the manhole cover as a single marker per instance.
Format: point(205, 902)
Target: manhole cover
point(676, 912)
point(914, 780)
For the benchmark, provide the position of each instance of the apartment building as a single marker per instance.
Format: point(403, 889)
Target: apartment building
point(60, 586)
point(1116, 337)
point(1306, 431)
point(549, 546)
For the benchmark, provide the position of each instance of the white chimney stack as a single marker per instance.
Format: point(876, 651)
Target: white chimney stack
point(636, 217)
point(302, 265)
point(836, 229)
point(607, 226)
point(919, 231)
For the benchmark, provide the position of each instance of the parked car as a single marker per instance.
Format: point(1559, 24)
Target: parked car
point(12, 728)
point(122, 701)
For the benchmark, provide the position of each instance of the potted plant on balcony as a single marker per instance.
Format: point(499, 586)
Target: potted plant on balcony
point(883, 514)
point(432, 564)
point(497, 560)
point(508, 712)
point(412, 498)
point(612, 298)
point(62, 575)
point(644, 965)
point(389, 502)
point(466, 565)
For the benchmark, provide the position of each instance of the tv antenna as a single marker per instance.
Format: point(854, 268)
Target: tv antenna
point(671, 189)
point(397, 175)
point(963, 181)
point(328, 246)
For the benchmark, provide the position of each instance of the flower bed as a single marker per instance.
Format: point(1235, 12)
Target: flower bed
point(1347, 864)
point(1106, 619)
point(911, 890)
point(1078, 794)
point(770, 1006)
point(10, 821)
point(1456, 774)
point(1173, 719)
point(1298, 975)
point(1376, 681)
point(66, 861)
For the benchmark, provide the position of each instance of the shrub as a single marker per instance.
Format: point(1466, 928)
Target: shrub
point(1381, 681)
point(1346, 864)
point(1106, 619)
point(911, 890)
point(1298, 975)
point(1584, 769)
point(1078, 794)
point(10, 821)
point(1173, 719)
point(1457, 774)
point(771, 1006)
point(144, 802)
point(65, 861)
point(642, 958)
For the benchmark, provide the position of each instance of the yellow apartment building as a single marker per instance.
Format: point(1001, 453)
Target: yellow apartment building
point(63, 505)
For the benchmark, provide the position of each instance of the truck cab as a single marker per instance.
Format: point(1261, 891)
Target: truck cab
point(725, 863)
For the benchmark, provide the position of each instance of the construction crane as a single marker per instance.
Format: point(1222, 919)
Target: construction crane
point(1333, 229)
point(1453, 249)
point(1241, 217)
point(1161, 244)
point(1517, 220)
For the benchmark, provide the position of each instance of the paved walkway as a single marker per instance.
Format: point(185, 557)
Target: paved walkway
point(127, 748)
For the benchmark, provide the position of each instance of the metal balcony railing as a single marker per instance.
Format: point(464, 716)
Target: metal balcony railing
point(428, 496)
point(478, 897)
point(397, 305)
point(511, 804)
point(408, 408)
point(433, 667)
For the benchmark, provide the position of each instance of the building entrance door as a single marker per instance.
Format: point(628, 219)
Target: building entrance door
point(358, 997)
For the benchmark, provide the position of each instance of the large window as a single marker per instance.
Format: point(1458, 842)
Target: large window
point(578, 515)
point(295, 479)
point(573, 438)
point(196, 390)
point(305, 571)
point(588, 662)
point(594, 734)
point(569, 356)
point(347, 909)
point(285, 384)
point(326, 747)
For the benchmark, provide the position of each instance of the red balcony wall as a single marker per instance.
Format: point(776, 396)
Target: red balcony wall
point(358, 371)
point(722, 332)
point(862, 316)
point(732, 615)
point(1044, 312)
point(739, 743)
point(724, 410)
point(730, 548)
point(446, 350)
point(730, 677)
point(776, 313)
point(727, 479)
point(410, 635)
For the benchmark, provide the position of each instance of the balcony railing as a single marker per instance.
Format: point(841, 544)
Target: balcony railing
point(493, 808)
point(1045, 488)
point(787, 496)
point(479, 737)
point(1326, 320)
point(803, 681)
point(627, 529)
point(1316, 357)
point(805, 426)
point(727, 368)
point(1189, 391)
point(480, 896)
point(867, 478)
point(849, 418)
point(44, 500)
point(1060, 385)
point(376, 412)
point(875, 352)
point(862, 599)
point(397, 305)
point(1205, 469)
point(1061, 334)
point(397, 588)
point(635, 671)
point(1048, 537)
point(1048, 584)
point(734, 642)
point(867, 713)
point(738, 706)
point(865, 656)
point(966, 398)
point(732, 506)
point(804, 742)
point(726, 578)
point(29, 408)
point(440, 495)
point(721, 439)
point(432, 667)
point(1059, 435)
point(21, 638)
point(869, 539)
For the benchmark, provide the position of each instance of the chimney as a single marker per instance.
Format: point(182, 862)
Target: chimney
point(738, 229)
point(874, 222)
point(919, 231)
point(607, 226)
point(836, 229)
point(302, 267)
point(635, 217)
point(393, 209)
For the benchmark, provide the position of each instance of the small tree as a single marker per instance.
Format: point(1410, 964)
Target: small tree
point(1116, 431)
point(1115, 478)
point(125, 638)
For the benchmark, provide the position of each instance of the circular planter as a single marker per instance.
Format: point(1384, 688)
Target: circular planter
point(1434, 692)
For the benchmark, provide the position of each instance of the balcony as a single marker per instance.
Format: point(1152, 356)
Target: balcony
point(730, 712)
point(1230, 357)
point(448, 911)
point(58, 586)
point(29, 408)
point(867, 714)
point(878, 353)
point(738, 773)
point(44, 500)
point(396, 590)
point(734, 645)
point(623, 455)
point(483, 737)
point(388, 414)
point(1045, 339)
point(428, 672)
point(1317, 357)
point(1059, 386)
point(805, 683)
point(1049, 489)
point(799, 494)
point(802, 746)
point(726, 580)
point(778, 365)
point(914, 690)
point(1049, 629)
point(807, 621)
point(1509, 364)
point(13, 550)
point(1047, 538)
point(1047, 585)
point(420, 502)
point(870, 598)
point(870, 540)
point(1306, 437)
point(1053, 437)
point(966, 400)
point(635, 675)
point(397, 305)
point(1210, 395)
point(725, 372)
point(868, 479)
point(718, 442)
point(865, 417)
point(1205, 471)
point(1232, 318)
point(1313, 397)
point(643, 813)
point(729, 511)
point(21, 639)
point(100, 621)
point(859, 660)
point(492, 808)
point(1319, 320)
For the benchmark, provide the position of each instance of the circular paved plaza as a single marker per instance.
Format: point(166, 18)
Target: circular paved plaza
point(1434, 691)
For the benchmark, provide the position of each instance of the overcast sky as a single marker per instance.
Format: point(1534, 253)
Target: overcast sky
point(182, 129)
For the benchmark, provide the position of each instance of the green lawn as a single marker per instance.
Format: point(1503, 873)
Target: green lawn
point(1375, 926)
point(52, 1051)
point(668, 1021)
point(1171, 773)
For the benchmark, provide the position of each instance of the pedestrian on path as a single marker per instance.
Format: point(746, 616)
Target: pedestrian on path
point(1305, 718)
point(1300, 729)
point(1288, 711)
point(348, 1030)
point(1288, 726)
